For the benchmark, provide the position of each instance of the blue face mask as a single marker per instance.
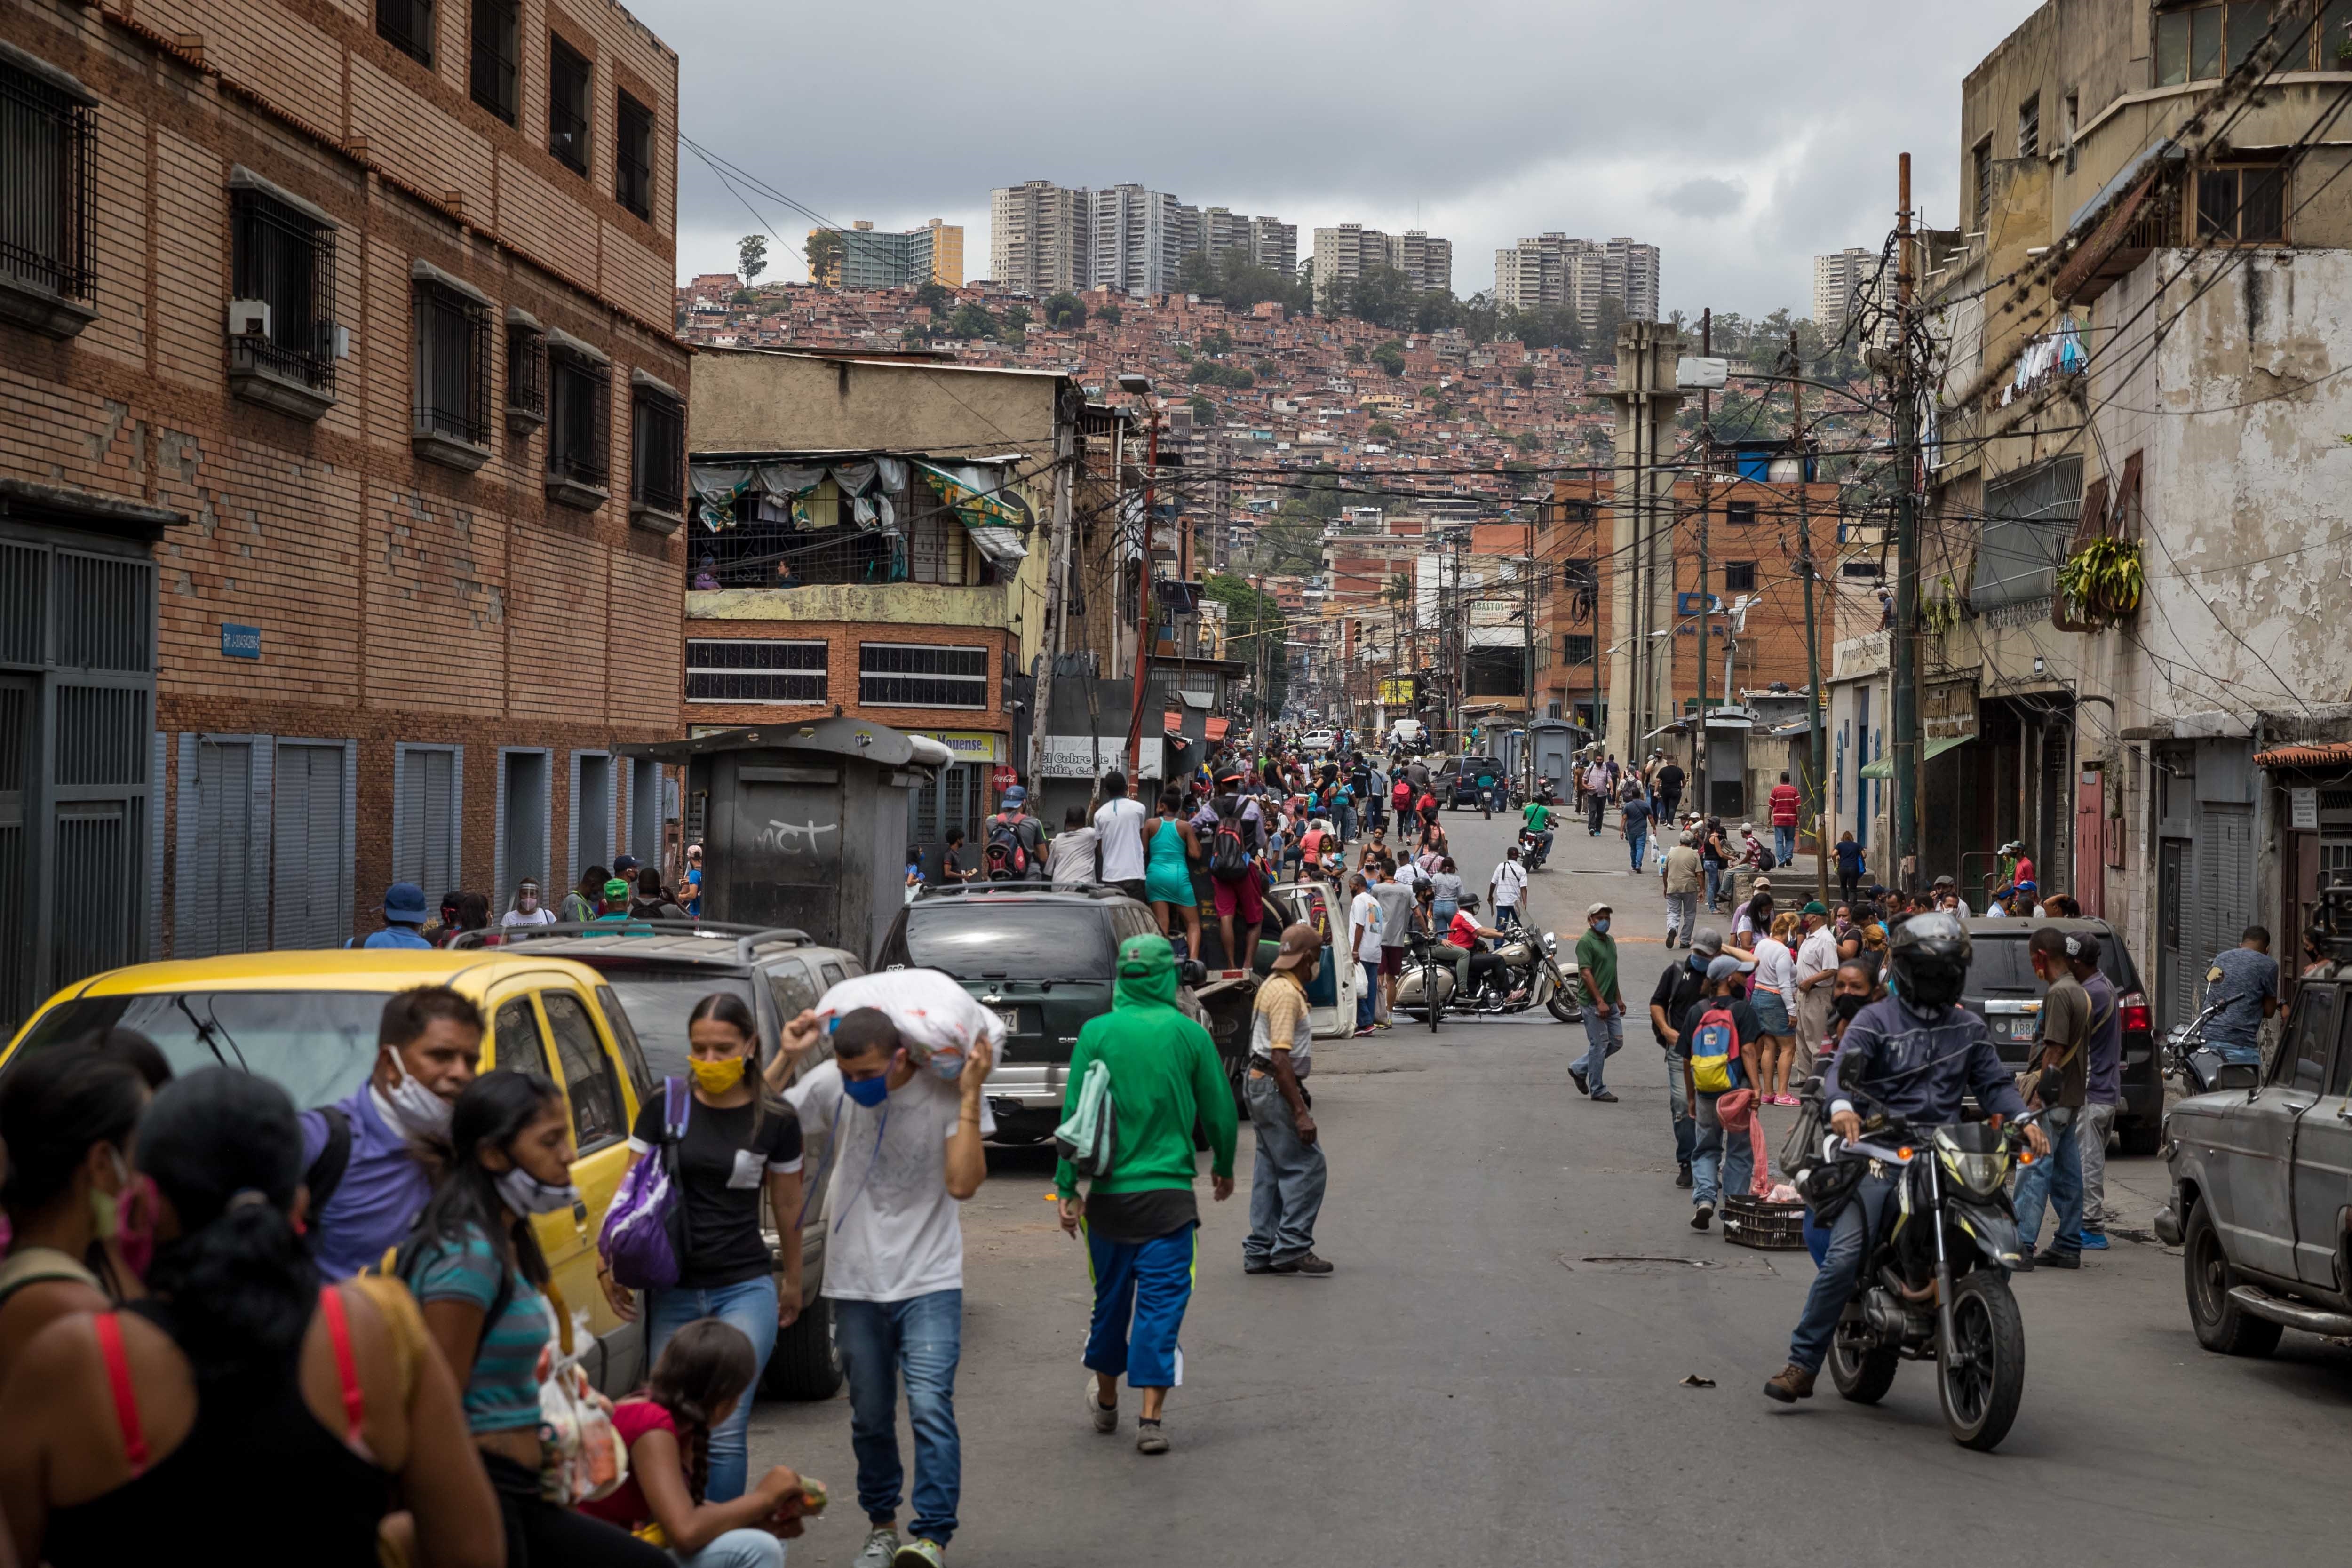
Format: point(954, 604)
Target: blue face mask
point(1600, 926)
point(868, 1093)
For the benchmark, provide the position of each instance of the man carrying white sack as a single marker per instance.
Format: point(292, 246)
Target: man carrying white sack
point(901, 1107)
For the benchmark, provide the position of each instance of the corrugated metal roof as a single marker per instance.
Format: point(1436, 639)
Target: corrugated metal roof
point(2334, 754)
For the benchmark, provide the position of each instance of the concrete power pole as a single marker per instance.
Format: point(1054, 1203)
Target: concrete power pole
point(1905, 660)
point(1812, 636)
point(1057, 583)
point(1705, 588)
point(1646, 398)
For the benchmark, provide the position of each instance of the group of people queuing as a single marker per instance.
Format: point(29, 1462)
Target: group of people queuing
point(629, 890)
point(203, 1283)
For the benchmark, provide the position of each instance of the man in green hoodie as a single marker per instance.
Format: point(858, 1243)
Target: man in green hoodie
point(1140, 1215)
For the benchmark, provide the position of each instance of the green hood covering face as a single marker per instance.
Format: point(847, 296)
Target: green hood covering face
point(1147, 973)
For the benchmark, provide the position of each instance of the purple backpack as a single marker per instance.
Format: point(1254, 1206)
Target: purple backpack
point(643, 1237)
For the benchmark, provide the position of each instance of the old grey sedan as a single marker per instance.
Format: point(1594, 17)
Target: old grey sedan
point(2262, 1187)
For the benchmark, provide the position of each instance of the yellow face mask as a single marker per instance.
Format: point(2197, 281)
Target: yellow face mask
point(718, 1076)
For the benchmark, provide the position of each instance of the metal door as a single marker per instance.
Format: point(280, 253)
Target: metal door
point(2176, 968)
point(2090, 851)
point(19, 701)
point(2257, 1152)
point(2323, 1166)
point(223, 860)
point(426, 818)
point(310, 879)
point(592, 810)
point(2223, 899)
point(783, 849)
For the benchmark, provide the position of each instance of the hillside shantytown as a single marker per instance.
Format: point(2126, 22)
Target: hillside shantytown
point(721, 751)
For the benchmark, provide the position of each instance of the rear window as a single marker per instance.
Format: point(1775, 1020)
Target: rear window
point(316, 1044)
point(658, 1002)
point(1998, 966)
point(984, 939)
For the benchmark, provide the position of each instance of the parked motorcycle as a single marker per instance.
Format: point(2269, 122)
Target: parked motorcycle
point(2198, 1065)
point(1935, 1286)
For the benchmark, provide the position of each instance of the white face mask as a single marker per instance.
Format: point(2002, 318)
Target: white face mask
point(526, 1194)
point(417, 1108)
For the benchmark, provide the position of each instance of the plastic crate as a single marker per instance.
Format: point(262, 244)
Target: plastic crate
point(1749, 1221)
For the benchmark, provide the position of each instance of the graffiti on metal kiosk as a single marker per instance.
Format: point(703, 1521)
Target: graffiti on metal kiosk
point(794, 838)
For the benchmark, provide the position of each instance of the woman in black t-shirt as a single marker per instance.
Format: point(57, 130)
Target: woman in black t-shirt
point(737, 1141)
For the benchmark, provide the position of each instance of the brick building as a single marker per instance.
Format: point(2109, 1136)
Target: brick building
point(341, 444)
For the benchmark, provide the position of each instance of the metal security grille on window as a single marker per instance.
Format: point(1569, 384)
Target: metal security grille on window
point(493, 63)
point(764, 671)
point(283, 258)
point(633, 164)
point(919, 675)
point(567, 105)
point(45, 185)
point(1577, 648)
point(1739, 577)
point(579, 419)
point(2028, 127)
point(1739, 513)
point(2247, 205)
point(453, 366)
point(657, 459)
point(526, 372)
point(408, 25)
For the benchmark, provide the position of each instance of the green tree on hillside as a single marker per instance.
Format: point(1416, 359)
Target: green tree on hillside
point(751, 256)
point(823, 253)
point(1064, 312)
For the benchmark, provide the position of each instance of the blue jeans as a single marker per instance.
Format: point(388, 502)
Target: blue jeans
point(1141, 1289)
point(1368, 999)
point(1604, 1039)
point(1286, 1184)
point(1850, 1242)
point(737, 1548)
point(2058, 1179)
point(1678, 1113)
point(1506, 917)
point(1346, 820)
point(751, 1307)
point(1722, 1160)
point(2245, 1053)
point(1784, 843)
point(923, 1339)
point(1714, 884)
point(1639, 843)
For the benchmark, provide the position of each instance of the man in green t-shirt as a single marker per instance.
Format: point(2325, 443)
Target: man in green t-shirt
point(1140, 1215)
point(1604, 1009)
point(1537, 818)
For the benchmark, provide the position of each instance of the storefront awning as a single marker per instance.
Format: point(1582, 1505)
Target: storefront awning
point(1884, 768)
point(2334, 754)
point(1173, 725)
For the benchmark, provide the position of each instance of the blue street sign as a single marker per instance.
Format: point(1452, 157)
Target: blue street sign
point(240, 642)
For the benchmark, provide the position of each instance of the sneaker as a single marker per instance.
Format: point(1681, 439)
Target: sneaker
point(1701, 1215)
point(1105, 1416)
point(1682, 1177)
point(1576, 1071)
point(2053, 1257)
point(1151, 1437)
point(2024, 1264)
point(1790, 1384)
point(1311, 1264)
point(1256, 1266)
point(1604, 1097)
point(1365, 1033)
point(919, 1554)
point(2095, 1241)
point(881, 1547)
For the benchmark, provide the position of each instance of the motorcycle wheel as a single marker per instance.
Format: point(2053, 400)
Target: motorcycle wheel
point(1980, 1377)
point(1432, 1013)
point(1561, 1008)
point(1863, 1374)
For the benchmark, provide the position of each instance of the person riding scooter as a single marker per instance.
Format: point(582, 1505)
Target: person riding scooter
point(1916, 1054)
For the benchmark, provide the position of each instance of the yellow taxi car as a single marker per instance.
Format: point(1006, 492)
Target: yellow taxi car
point(307, 1020)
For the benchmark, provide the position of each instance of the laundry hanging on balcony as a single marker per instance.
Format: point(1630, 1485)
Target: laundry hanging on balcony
point(991, 511)
point(866, 486)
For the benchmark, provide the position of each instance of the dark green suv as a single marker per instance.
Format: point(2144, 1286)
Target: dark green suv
point(1045, 959)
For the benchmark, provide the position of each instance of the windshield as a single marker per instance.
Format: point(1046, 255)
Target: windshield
point(316, 1044)
point(658, 1002)
point(1010, 940)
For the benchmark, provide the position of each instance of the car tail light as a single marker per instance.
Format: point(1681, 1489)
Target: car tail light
point(2135, 1012)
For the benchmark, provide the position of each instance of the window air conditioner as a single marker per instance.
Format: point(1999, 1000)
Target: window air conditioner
point(248, 318)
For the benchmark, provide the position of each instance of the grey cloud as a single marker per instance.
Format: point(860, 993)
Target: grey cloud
point(1705, 197)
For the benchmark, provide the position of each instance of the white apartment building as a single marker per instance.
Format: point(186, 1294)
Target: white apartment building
point(1343, 253)
point(1552, 270)
point(1040, 238)
point(1838, 281)
point(1268, 241)
point(1139, 236)
point(1046, 237)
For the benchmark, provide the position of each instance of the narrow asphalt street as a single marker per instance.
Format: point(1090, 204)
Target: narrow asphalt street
point(1496, 1372)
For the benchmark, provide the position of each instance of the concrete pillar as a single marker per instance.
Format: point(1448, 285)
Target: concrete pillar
point(1640, 566)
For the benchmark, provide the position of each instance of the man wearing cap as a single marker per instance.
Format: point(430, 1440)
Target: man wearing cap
point(1736, 1168)
point(616, 902)
point(1286, 1184)
point(693, 899)
point(1028, 833)
point(404, 911)
point(1604, 1008)
point(1748, 866)
point(1817, 963)
point(1684, 880)
point(1679, 985)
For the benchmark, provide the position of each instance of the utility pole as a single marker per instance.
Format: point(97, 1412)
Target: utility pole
point(1813, 637)
point(1527, 748)
point(1057, 583)
point(1905, 662)
point(1143, 603)
point(1705, 588)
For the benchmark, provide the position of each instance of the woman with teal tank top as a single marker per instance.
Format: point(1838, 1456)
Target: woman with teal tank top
point(1170, 847)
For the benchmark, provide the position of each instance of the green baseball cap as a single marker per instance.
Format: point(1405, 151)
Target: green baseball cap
point(615, 890)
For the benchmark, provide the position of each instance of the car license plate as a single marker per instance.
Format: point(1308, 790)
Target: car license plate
point(1011, 1017)
point(2021, 1028)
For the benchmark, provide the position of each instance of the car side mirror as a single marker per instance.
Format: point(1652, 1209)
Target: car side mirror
point(2238, 1075)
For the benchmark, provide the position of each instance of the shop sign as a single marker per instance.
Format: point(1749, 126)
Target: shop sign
point(1073, 756)
point(968, 745)
point(1948, 711)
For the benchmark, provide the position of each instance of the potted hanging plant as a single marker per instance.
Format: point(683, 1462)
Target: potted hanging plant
point(2102, 581)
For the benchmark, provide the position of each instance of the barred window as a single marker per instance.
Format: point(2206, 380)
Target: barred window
point(496, 56)
point(526, 375)
point(656, 451)
point(755, 671)
point(286, 258)
point(2247, 203)
point(1739, 576)
point(453, 366)
point(579, 417)
point(921, 675)
point(407, 25)
point(632, 156)
point(47, 139)
point(1577, 647)
point(568, 75)
point(1739, 513)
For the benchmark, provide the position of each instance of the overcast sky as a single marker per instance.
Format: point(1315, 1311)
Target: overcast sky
point(1740, 136)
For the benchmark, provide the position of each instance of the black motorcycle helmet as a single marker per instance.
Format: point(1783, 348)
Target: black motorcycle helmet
point(1928, 955)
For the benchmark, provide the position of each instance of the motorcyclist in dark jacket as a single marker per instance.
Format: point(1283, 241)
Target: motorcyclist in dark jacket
point(1916, 1055)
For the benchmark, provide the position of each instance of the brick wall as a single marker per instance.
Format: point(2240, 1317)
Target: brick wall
point(398, 600)
point(842, 639)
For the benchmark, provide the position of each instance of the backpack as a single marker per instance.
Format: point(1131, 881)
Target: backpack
point(1765, 860)
point(1229, 858)
point(1088, 1138)
point(1008, 857)
point(644, 1236)
point(1714, 1052)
